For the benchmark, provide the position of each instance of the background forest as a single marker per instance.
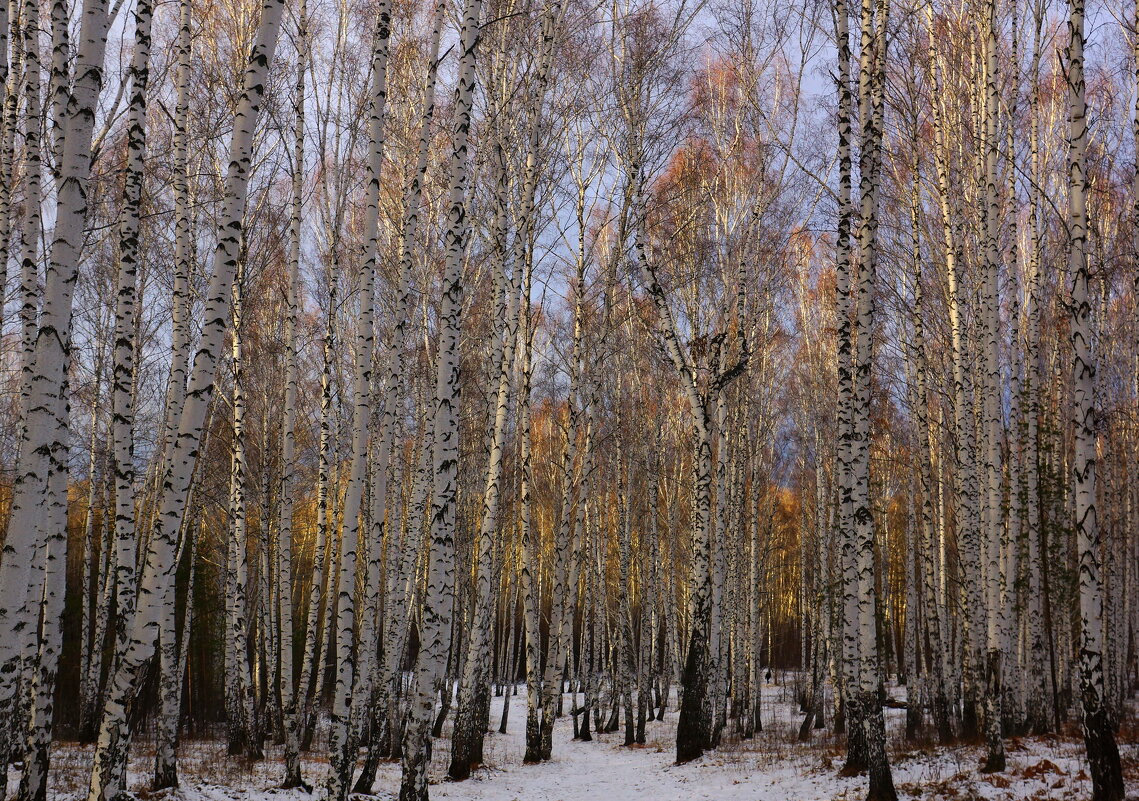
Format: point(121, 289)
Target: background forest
point(368, 363)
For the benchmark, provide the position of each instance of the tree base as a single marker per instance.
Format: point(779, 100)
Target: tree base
point(1103, 757)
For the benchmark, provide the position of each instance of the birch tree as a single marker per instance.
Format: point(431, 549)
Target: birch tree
point(431, 662)
point(1099, 736)
point(156, 580)
point(342, 746)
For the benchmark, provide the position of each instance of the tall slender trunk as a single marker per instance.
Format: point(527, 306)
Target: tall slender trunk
point(721, 614)
point(342, 744)
point(240, 681)
point(473, 712)
point(40, 470)
point(286, 657)
point(1039, 719)
point(560, 587)
point(33, 194)
point(320, 572)
point(431, 663)
point(171, 661)
point(158, 571)
point(38, 512)
point(171, 655)
point(626, 665)
point(965, 472)
point(856, 747)
point(1099, 734)
point(994, 523)
point(89, 652)
point(402, 557)
point(11, 53)
point(930, 601)
point(867, 711)
point(529, 570)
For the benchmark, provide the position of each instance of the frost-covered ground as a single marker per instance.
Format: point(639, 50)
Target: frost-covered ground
point(770, 767)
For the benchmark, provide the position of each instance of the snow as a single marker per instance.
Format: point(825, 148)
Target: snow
point(770, 767)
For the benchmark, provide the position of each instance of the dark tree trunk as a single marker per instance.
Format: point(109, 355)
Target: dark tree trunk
point(1103, 757)
point(873, 726)
point(693, 731)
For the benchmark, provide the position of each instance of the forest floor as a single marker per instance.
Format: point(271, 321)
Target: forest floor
point(770, 767)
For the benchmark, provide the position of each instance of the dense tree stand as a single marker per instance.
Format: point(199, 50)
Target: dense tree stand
point(601, 361)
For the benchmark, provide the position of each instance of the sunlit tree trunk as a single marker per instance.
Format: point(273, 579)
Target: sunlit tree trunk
point(965, 475)
point(244, 730)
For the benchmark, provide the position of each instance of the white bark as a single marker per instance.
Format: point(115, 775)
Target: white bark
point(156, 584)
point(39, 505)
point(1099, 734)
point(244, 730)
point(289, 689)
point(126, 325)
point(342, 745)
point(991, 389)
point(473, 711)
point(864, 707)
point(435, 632)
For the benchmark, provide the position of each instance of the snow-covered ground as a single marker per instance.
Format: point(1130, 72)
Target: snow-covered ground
point(771, 767)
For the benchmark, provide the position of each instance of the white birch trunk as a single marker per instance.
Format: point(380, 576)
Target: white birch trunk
point(156, 583)
point(126, 323)
point(89, 653)
point(240, 679)
point(431, 663)
point(39, 504)
point(400, 559)
point(865, 708)
point(342, 745)
point(289, 689)
point(11, 53)
point(473, 712)
point(994, 523)
point(1099, 734)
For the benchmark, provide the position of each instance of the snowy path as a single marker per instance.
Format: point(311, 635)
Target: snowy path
point(770, 768)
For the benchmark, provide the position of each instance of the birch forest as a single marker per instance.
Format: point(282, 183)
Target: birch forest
point(569, 399)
